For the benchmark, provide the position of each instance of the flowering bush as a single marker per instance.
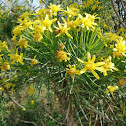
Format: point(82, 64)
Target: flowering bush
point(65, 50)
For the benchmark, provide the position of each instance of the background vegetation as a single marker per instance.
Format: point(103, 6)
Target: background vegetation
point(40, 92)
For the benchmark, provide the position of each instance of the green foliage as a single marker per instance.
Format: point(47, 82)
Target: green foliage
point(55, 74)
point(9, 13)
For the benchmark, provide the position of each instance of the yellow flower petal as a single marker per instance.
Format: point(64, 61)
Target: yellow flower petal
point(80, 60)
point(83, 70)
point(100, 69)
point(95, 74)
point(88, 56)
point(99, 63)
point(93, 58)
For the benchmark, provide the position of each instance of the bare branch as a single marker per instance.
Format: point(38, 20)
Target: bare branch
point(117, 14)
point(24, 121)
point(8, 94)
point(123, 5)
point(15, 14)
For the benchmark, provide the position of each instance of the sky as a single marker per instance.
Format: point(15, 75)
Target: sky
point(36, 3)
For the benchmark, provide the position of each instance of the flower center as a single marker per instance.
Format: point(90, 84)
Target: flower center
point(90, 66)
point(17, 57)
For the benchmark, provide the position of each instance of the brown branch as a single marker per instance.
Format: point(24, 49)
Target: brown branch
point(24, 121)
point(117, 14)
point(15, 14)
point(123, 5)
point(45, 3)
point(9, 96)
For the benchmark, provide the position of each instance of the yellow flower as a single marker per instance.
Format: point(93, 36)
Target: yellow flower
point(23, 109)
point(120, 46)
point(106, 26)
point(24, 23)
point(42, 12)
point(54, 8)
point(91, 66)
point(8, 85)
point(31, 90)
point(17, 30)
point(111, 46)
point(112, 36)
point(72, 24)
point(63, 30)
point(39, 28)
point(32, 102)
point(37, 36)
point(34, 61)
point(1, 89)
point(16, 57)
point(13, 38)
point(4, 44)
point(99, 32)
point(91, 17)
point(117, 54)
point(1, 58)
point(111, 89)
point(47, 23)
point(72, 71)
point(87, 21)
point(25, 14)
point(5, 66)
point(71, 11)
point(87, 4)
point(122, 32)
point(99, 7)
point(61, 46)
point(108, 66)
point(90, 2)
point(22, 42)
point(125, 69)
point(97, 2)
point(61, 55)
point(93, 7)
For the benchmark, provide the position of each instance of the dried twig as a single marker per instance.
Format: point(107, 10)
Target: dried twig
point(24, 121)
point(8, 94)
point(123, 6)
point(45, 3)
point(117, 14)
point(15, 14)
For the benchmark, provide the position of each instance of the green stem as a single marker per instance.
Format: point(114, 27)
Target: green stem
point(49, 39)
point(35, 49)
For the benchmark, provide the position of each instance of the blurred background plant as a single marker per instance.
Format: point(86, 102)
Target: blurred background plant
point(48, 61)
point(10, 10)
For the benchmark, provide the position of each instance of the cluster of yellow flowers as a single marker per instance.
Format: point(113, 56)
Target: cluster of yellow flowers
point(117, 43)
point(122, 32)
point(94, 4)
point(61, 54)
point(3, 46)
point(111, 89)
point(104, 66)
point(45, 20)
point(8, 86)
point(120, 48)
point(4, 65)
